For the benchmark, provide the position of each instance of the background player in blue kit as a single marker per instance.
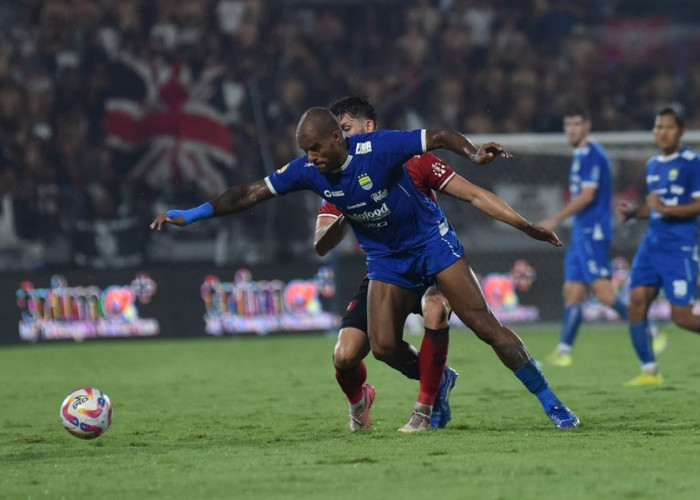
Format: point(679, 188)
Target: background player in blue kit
point(405, 235)
point(668, 254)
point(587, 261)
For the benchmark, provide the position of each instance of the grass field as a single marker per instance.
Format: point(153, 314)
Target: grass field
point(263, 418)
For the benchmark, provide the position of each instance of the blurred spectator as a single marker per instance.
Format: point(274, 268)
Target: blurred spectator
point(111, 108)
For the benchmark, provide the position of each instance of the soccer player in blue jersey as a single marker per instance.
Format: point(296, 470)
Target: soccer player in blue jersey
point(358, 116)
point(668, 254)
point(587, 261)
point(405, 235)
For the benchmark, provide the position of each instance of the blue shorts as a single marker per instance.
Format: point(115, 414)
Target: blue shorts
point(676, 270)
point(587, 260)
point(415, 269)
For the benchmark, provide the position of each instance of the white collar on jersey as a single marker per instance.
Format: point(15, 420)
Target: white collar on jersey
point(665, 159)
point(582, 150)
point(347, 162)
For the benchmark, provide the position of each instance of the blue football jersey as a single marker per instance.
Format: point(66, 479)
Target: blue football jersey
point(386, 210)
point(676, 179)
point(590, 167)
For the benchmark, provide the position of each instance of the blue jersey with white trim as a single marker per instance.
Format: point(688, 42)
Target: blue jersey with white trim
point(590, 167)
point(386, 210)
point(676, 179)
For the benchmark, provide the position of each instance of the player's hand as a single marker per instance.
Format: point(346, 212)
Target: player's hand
point(655, 203)
point(549, 223)
point(163, 219)
point(488, 152)
point(543, 234)
point(626, 210)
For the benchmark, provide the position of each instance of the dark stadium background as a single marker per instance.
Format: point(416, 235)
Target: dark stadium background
point(113, 110)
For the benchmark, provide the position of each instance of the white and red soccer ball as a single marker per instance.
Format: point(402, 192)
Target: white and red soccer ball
point(86, 413)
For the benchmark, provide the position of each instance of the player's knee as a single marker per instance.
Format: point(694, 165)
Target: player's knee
point(636, 309)
point(436, 312)
point(344, 356)
point(384, 351)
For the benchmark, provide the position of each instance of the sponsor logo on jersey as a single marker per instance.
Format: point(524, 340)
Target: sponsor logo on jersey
point(357, 205)
point(380, 195)
point(280, 170)
point(677, 189)
point(439, 169)
point(365, 182)
point(370, 215)
point(673, 174)
point(363, 148)
point(332, 194)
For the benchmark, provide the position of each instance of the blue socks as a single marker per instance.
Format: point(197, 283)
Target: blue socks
point(641, 342)
point(532, 378)
point(620, 307)
point(573, 315)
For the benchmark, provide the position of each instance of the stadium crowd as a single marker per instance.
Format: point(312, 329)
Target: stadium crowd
point(101, 101)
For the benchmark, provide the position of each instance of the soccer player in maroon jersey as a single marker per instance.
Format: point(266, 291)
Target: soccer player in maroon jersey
point(429, 173)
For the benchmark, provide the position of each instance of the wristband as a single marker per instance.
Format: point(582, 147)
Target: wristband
point(204, 211)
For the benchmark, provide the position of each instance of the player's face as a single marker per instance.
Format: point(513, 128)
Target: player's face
point(326, 153)
point(576, 129)
point(352, 125)
point(667, 133)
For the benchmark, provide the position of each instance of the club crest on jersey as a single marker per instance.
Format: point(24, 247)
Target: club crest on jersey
point(673, 174)
point(365, 182)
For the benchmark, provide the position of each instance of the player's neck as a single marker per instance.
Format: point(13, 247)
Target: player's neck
point(670, 151)
point(582, 143)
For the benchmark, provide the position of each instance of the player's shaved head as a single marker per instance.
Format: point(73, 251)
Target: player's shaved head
point(320, 136)
point(317, 121)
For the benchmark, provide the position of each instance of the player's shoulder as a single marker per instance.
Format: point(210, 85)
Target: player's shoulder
point(297, 163)
point(598, 149)
point(689, 155)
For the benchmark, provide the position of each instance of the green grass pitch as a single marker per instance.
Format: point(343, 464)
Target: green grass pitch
point(264, 418)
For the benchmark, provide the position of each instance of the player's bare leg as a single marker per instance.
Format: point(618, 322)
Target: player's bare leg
point(351, 373)
point(388, 306)
point(641, 298)
point(463, 292)
point(684, 318)
point(436, 313)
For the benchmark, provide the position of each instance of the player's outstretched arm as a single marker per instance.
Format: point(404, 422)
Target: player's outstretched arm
point(329, 233)
point(584, 199)
point(457, 143)
point(235, 199)
point(492, 205)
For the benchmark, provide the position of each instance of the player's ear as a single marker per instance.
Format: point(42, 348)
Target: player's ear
point(370, 126)
point(337, 136)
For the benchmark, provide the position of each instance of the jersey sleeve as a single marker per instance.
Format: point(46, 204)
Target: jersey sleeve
point(695, 177)
point(430, 171)
point(590, 173)
point(397, 146)
point(328, 210)
point(288, 178)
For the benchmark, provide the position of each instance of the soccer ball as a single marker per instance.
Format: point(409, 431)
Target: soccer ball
point(86, 413)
